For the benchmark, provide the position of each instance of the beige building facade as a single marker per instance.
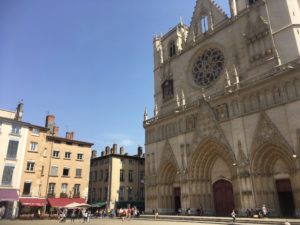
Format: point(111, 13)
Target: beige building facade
point(55, 167)
point(117, 179)
point(13, 140)
point(39, 168)
point(226, 127)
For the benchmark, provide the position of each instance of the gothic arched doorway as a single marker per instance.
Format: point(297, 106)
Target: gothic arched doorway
point(223, 197)
point(285, 197)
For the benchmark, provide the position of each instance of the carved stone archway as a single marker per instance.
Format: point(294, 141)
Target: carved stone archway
point(168, 177)
point(211, 161)
point(271, 164)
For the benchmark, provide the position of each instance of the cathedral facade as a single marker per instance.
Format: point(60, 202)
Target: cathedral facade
point(225, 133)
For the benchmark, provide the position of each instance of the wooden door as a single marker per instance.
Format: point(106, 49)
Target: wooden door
point(223, 198)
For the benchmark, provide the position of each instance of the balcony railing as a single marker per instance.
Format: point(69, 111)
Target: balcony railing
point(63, 195)
point(76, 195)
point(51, 195)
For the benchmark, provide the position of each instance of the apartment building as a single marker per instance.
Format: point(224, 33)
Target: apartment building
point(38, 168)
point(117, 179)
point(13, 139)
point(55, 168)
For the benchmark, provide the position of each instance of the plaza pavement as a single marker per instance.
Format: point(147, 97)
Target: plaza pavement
point(162, 220)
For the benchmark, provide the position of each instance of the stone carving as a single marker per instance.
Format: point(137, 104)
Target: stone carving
point(207, 126)
point(267, 132)
point(169, 155)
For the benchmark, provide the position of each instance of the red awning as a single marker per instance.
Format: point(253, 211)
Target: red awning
point(33, 201)
point(8, 195)
point(61, 202)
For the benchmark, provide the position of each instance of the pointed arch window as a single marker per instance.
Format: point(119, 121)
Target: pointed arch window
point(167, 89)
point(172, 49)
point(204, 23)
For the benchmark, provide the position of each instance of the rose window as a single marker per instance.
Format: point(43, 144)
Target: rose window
point(208, 67)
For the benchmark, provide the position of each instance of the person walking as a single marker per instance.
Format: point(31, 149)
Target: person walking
point(73, 215)
point(233, 215)
point(264, 210)
point(155, 214)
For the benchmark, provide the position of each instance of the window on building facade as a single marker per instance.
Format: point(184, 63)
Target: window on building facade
point(15, 129)
point(95, 176)
point(94, 195)
point(33, 146)
point(55, 154)
point(105, 193)
point(123, 161)
point(66, 171)
point(7, 175)
point(67, 155)
point(121, 193)
point(121, 175)
point(12, 149)
point(130, 176)
point(78, 172)
point(35, 132)
point(99, 194)
point(167, 90)
point(79, 156)
point(26, 188)
point(142, 176)
point(51, 188)
point(142, 193)
point(77, 190)
point(53, 170)
point(204, 23)
point(101, 175)
point(172, 49)
point(106, 176)
point(64, 188)
point(30, 166)
point(130, 194)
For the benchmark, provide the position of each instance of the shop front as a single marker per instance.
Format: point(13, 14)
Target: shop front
point(32, 208)
point(9, 203)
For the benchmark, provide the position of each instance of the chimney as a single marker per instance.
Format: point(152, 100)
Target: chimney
point(140, 151)
point(70, 135)
point(94, 154)
point(19, 113)
point(50, 122)
point(102, 153)
point(55, 130)
point(107, 150)
point(114, 149)
point(122, 151)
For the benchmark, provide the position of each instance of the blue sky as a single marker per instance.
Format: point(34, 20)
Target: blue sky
point(88, 62)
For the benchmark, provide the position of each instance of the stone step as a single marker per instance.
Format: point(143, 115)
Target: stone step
point(225, 220)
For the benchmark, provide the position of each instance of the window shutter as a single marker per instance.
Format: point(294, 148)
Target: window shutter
point(7, 175)
point(12, 149)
